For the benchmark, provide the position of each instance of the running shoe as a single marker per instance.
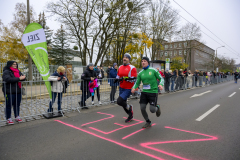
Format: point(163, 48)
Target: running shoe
point(9, 121)
point(100, 103)
point(130, 117)
point(147, 125)
point(158, 113)
point(18, 119)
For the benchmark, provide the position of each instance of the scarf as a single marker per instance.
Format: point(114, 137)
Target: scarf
point(146, 67)
point(16, 74)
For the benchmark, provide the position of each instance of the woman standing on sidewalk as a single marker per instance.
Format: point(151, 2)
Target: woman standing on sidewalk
point(12, 89)
point(58, 83)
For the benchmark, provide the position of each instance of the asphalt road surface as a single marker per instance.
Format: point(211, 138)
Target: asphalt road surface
point(197, 124)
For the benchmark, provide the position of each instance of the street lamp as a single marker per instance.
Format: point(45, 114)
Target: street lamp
point(216, 56)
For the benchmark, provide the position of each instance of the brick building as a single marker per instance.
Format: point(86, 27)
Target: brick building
point(196, 54)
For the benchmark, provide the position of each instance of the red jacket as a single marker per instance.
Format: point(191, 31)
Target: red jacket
point(126, 71)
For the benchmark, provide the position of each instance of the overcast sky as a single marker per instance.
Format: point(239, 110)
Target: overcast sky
point(220, 16)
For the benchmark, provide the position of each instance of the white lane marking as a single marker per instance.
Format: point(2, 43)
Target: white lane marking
point(197, 95)
point(207, 113)
point(232, 94)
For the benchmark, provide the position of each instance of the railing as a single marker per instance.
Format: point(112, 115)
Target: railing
point(35, 101)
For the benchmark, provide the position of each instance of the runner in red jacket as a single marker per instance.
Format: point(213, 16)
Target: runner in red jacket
point(127, 74)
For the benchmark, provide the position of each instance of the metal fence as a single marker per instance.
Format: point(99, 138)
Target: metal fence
point(35, 100)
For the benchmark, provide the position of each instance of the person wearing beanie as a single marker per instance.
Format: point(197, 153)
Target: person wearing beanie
point(148, 76)
point(112, 76)
point(57, 79)
point(126, 75)
point(12, 90)
point(88, 75)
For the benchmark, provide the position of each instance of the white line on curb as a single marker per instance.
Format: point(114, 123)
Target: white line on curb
point(232, 94)
point(207, 113)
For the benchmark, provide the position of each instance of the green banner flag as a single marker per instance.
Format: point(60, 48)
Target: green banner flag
point(34, 40)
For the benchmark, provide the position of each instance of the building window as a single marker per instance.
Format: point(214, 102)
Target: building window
point(166, 54)
point(161, 54)
point(166, 46)
point(180, 53)
point(185, 44)
point(175, 53)
point(175, 45)
point(170, 46)
point(170, 53)
point(185, 52)
point(180, 45)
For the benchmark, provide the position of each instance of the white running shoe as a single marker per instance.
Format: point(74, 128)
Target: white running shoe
point(92, 103)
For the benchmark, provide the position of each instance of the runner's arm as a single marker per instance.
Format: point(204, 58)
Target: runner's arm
point(136, 85)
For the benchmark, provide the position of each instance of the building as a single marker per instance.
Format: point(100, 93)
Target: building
point(196, 54)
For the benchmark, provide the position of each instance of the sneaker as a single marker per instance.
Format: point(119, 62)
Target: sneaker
point(158, 113)
point(92, 103)
point(147, 125)
point(130, 117)
point(100, 102)
point(112, 101)
point(18, 119)
point(9, 121)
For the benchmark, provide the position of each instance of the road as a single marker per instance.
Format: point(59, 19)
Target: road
point(201, 127)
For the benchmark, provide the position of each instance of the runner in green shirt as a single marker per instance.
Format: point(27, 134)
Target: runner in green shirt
point(149, 77)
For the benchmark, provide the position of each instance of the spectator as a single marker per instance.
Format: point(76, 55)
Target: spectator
point(181, 79)
point(87, 76)
point(98, 74)
point(173, 78)
point(58, 80)
point(200, 78)
point(236, 75)
point(108, 72)
point(196, 75)
point(102, 73)
point(167, 80)
point(189, 78)
point(12, 89)
point(209, 77)
point(178, 80)
point(112, 76)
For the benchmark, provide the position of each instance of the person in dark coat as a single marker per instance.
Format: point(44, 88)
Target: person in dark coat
point(167, 80)
point(108, 72)
point(88, 75)
point(12, 90)
point(112, 76)
point(102, 73)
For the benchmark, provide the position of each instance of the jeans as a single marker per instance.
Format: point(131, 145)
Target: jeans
point(85, 95)
point(172, 85)
point(13, 100)
point(54, 95)
point(112, 94)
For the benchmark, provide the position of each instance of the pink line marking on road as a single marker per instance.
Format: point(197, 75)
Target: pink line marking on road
point(147, 145)
point(124, 126)
point(111, 116)
point(136, 132)
point(118, 143)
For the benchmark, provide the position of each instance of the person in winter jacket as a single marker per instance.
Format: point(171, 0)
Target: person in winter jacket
point(173, 78)
point(87, 76)
point(167, 80)
point(12, 89)
point(57, 80)
point(236, 75)
point(108, 72)
point(112, 76)
point(99, 76)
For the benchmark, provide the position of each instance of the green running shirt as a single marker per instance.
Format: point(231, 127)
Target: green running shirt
point(149, 79)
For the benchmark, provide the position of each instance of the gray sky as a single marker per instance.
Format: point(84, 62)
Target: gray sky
point(219, 16)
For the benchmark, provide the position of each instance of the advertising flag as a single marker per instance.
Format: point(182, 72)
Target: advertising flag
point(34, 40)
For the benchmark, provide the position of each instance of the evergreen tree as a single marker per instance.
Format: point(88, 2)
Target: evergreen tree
point(60, 51)
point(47, 30)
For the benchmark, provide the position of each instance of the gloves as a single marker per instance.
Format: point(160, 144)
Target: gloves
point(118, 80)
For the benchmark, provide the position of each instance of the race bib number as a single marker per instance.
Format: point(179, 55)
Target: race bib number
point(146, 86)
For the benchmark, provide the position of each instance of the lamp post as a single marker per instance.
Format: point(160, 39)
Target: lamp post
point(216, 56)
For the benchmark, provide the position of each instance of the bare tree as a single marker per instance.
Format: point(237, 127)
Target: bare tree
point(164, 21)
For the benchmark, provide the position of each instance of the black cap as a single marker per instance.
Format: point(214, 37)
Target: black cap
point(147, 59)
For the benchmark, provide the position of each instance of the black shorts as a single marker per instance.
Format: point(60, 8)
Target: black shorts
point(150, 98)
